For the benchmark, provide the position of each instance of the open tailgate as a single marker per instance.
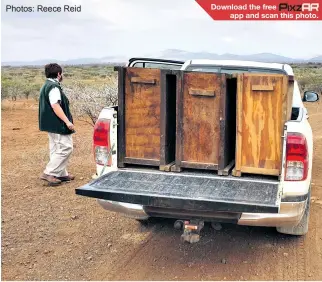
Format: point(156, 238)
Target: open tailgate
point(185, 191)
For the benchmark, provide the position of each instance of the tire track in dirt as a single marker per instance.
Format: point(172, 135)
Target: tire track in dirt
point(235, 253)
point(128, 254)
point(312, 246)
point(133, 254)
point(301, 259)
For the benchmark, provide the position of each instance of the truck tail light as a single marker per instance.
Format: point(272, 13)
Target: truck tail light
point(296, 157)
point(101, 141)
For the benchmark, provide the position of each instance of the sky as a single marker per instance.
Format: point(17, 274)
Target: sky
point(134, 28)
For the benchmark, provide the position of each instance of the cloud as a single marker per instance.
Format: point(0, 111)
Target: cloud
point(136, 28)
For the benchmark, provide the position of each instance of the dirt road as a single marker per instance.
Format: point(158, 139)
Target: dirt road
point(52, 234)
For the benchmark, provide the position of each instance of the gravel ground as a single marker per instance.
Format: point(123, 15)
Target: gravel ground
point(53, 234)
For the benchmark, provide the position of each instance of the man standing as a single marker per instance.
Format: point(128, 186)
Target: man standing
point(56, 119)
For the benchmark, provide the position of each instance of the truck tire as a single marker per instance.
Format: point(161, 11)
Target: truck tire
point(143, 221)
point(303, 226)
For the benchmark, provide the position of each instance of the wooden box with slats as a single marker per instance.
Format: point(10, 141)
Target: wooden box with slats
point(146, 116)
point(206, 122)
point(264, 104)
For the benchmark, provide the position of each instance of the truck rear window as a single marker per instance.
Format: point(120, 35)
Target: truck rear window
point(152, 65)
point(219, 69)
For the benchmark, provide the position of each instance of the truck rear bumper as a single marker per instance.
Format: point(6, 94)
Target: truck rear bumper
point(289, 215)
point(129, 210)
point(142, 194)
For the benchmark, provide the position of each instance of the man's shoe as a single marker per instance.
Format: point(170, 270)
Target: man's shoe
point(52, 180)
point(66, 178)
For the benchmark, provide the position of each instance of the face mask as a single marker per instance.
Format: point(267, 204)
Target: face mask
point(60, 77)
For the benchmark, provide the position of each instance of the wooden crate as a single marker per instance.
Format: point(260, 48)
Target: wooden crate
point(264, 104)
point(205, 131)
point(145, 105)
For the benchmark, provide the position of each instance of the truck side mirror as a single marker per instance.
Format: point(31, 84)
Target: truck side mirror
point(310, 96)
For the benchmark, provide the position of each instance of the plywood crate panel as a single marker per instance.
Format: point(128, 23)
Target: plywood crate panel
point(142, 115)
point(263, 107)
point(202, 122)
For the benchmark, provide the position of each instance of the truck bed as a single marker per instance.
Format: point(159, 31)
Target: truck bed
point(195, 191)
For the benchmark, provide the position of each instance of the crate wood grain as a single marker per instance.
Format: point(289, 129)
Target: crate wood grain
point(145, 136)
point(201, 122)
point(142, 114)
point(263, 107)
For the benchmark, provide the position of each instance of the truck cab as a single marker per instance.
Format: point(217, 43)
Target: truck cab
point(198, 196)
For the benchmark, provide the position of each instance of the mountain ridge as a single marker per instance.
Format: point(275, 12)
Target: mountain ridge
point(174, 54)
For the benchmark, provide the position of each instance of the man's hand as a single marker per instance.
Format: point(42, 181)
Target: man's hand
point(70, 126)
point(60, 113)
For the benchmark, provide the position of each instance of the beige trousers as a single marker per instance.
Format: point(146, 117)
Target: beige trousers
point(61, 148)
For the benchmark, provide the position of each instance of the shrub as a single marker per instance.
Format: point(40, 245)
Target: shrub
point(88, 101)
point(11, 89)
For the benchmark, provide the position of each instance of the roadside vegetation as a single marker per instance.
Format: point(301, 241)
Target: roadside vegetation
point(309, 76)
point(91, 87)
point(88, 88)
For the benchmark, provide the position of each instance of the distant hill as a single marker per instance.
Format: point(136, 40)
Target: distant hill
point(175, 54)
point(317, 59)
point(261, 57)
point(82, 61)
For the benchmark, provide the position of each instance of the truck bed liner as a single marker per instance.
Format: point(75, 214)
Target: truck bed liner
point(185, 191)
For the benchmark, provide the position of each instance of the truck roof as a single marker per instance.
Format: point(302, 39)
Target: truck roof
point(231, 63)
point(238, 63)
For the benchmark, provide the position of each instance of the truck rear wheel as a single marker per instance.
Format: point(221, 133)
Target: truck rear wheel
point(143, 221)
point(303, 226)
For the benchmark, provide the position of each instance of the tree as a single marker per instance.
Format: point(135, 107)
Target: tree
point(11, 89)
point(88, 101)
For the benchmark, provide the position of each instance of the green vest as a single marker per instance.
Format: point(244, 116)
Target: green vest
point(48, 120)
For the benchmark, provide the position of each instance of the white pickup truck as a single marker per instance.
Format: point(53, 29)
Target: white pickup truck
point(255, 200)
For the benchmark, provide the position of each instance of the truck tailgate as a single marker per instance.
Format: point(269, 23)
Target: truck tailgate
point(185, 191)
